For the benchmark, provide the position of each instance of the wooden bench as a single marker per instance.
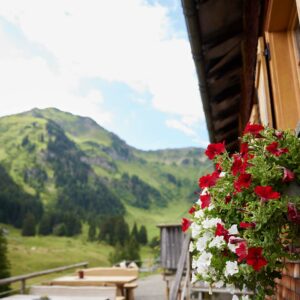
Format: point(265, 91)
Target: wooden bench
point(108, 293)
point(117, 271)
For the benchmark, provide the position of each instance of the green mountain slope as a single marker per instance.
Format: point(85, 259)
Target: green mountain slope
point(72, 164)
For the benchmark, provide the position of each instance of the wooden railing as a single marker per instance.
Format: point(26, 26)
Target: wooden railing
point(178, 292)
point(23, 278)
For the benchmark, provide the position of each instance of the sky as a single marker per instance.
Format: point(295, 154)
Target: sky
point(125, 63)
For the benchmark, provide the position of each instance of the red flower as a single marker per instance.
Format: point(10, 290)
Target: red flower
point(246, 225)
point(243, 181)
point(227, 199)
point(221, 231)
point(241, 251)
point(208, 180)
point(205, 200)
point(293, 213)
point(273, 148)
point(255, 258)
point(288, 175)
point(185, 224)
point(237, 166)
point(215, 149)
point(192, 210)
point(253, 129)
point(266, 193)
point(244, 148)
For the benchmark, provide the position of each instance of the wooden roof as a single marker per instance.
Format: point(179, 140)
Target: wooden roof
point(223, 36)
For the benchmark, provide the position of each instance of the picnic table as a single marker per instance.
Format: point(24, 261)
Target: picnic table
point(118, 281)
point(36, 297)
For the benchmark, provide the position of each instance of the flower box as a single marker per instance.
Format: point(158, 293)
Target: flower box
point(248, 216)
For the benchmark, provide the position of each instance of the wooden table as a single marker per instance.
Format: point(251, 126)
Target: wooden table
point(36, 297)
point(118, 281)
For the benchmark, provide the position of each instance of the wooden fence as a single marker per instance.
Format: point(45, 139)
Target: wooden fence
point(23, 278)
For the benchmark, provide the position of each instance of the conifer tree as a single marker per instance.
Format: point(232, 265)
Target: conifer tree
point(4, 264)
point(134, 232)
point(45, 227)
point(143, 237)
point(28, 227)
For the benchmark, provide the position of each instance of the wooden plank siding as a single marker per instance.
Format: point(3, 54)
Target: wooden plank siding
point(171, 239)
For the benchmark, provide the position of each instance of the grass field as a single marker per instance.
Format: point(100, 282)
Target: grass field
point(30, 254)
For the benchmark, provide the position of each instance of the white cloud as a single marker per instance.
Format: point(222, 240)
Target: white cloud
point(181, 127)
point(127, 41)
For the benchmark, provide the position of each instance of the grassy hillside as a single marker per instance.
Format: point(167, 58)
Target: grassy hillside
point(70, 164)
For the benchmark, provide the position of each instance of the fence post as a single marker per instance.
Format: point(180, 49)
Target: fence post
point(23, 286)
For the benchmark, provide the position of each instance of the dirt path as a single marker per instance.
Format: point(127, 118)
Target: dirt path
point(151, 288)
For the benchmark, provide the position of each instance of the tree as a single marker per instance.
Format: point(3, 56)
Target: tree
point(46, 225)
point(134, 232)
point(92, 231)
point(28, 227)
point(143, 237)
point(4, 264)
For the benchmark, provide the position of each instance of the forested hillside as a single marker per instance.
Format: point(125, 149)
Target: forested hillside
point(64, 169)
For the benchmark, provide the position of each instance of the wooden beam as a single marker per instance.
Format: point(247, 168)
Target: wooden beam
point(180, 268)
point(278, 15)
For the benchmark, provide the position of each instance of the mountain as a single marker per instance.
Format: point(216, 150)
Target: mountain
point(67, 163)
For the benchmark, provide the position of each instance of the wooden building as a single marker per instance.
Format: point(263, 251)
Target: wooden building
point(247, 58)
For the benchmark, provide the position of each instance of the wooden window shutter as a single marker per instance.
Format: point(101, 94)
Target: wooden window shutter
point(262, 85)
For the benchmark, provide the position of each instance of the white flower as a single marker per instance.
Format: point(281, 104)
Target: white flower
point(219, 284)
point(231, 268)
point(235, 297)
point(218, 242)
point(210, 223)
point(211, 207)
point(195, 229)
point(204, 259)
point(202, 241)
point(246, 297)
point(233, 230)
point(194, 278)
point(222, 174)
point(192, 247)
point(199, 214)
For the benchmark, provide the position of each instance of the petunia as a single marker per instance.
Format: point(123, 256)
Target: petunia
point(241, 251)
point(237, 165)
point(255, 259)
point(185, 224)
point(246, 225)
point(215, 149)
point(253, 129)
point(221, 231)
point(205, 200)
point(293, 213)
point(266, 193)
point(244, 148)
point(288, 175)
point(192, 210)
point(273, 148)
point(243, 181)
point(227, 199)
point(231, 268)
point(208, 180)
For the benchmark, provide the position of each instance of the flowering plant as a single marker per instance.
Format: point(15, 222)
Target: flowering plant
point(244, 221)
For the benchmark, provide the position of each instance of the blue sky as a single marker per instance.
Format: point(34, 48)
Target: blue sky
point(125, 63)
